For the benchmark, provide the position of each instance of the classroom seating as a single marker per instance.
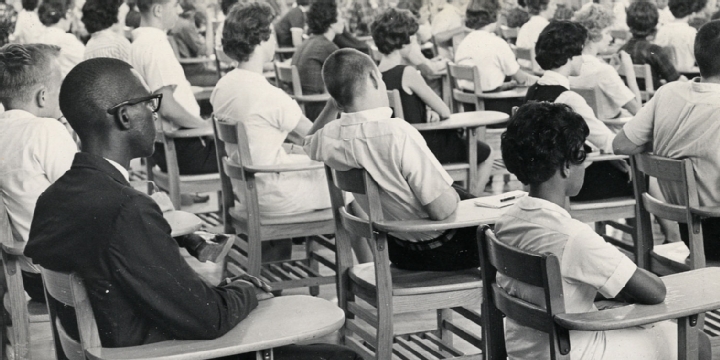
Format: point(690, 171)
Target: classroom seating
point(371, 293)
point(288, 74)
point(256, 227)
point(526, 59)
point(643, 73)
point(509, 34)
point(395, 103)
point(200, 92)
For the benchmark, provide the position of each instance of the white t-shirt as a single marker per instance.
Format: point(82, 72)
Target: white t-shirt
point(491, 55)
point(530, 31)
point(597, 73)
point(681, 37)
point(269, 115)
point(71, 49)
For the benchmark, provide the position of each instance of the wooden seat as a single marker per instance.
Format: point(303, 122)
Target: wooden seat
point(30, 319)
point(256, 227)
point(288, 74)
point(171, 181)
point(526, 59)
point(371, 293)
point(275, 322)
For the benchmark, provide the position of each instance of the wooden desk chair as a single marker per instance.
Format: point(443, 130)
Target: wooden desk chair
point(457, 40)
point(509, 34)
point(256, 227)
point(28, 317)
point(395, 103)
point(592, 98)
point(288, 74)
point(274, 323)
point(283, 53)
point(171, 181)
point(387, 291)
point(642, 73)
point(200, 92)
point(528, 62)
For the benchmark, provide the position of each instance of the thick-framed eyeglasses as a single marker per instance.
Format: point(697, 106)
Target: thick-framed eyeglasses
point(153, 103)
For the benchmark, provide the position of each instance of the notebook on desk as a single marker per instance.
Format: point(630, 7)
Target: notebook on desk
point(500, 200)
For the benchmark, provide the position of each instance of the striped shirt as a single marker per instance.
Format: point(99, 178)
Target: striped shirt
point(108, 43)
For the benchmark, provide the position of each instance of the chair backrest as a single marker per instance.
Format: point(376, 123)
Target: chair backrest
point(642, 73)
point(6, 232)
point(395, 103)
point(540, 270)
point(679, 173)
point(591, 97)
point(288, 74)
point(225, 133)
point(508, 33)
point(528, 57)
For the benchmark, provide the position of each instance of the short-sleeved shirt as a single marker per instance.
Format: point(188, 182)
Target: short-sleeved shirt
point(71, 49)
point(597, 73)
point(681, 121)
point(530, 31)
point(108, 43)
point(588, 265)
point(36, 152)
point(396, 156)
point(294, 18)
point(309, 59)
point(153, 57)
point(644, 52)
point(269, 114)
point(491, 55)
point(680, 36)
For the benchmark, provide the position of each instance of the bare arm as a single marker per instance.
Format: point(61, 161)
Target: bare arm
point(445, 36)
point(297, 135)
point(172, 111)
point(444, 205)
point(623, 146)
point(645, 288)
point(417, 84)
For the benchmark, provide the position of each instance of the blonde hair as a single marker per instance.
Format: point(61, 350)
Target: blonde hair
point(595, 18)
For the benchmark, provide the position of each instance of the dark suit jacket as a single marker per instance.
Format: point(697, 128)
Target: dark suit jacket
point(141, 289)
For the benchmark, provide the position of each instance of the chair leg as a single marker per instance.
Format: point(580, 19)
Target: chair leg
point(264, 355)
point(312, 263)
point(443, 333)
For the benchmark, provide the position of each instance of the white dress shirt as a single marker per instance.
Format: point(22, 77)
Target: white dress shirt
point(614, 93)
point(28, 28)
point(681, 36)
point(71, 49)
point(530, 31)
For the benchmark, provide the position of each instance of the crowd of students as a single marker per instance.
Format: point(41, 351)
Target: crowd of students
point(76, 114)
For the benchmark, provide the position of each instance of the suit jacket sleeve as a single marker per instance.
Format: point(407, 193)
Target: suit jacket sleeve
point(147, 265)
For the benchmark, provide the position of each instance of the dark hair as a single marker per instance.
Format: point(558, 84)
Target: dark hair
point(478, 19)
point(392, 29)
point(246, 27)
point(320, 16)
point(707, 49)
point(302, 2)
point(22, 67)
point(145, 5)
point(411, 5)
point(540, 139)
point(345, 72)
point(30, 5)
point(132, 19)
point(563, 12)
point(100, 14)
point(642, 18)
point(226, 5)
point(699, 5)
point(559, 42)
point(517, 17)
point(51, 11)
point(535, 7)
point(188, 6)
point(715, 16)
point(682, 8)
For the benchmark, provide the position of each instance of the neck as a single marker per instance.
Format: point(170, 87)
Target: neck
point(255, 63)
point(329, 34)
point(391, 60)
point(563, 70)
point(32, 109)
point(549, 191)
point(363, 104)
point(109, 150)
point(710, 79)
point(147, 20)
point(590, 49)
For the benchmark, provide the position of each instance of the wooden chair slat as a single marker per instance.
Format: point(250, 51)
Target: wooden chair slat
point(505, 259)
point(662, 168)
point(70, 347)
point(664, 210)
point(395, 103)
point(355, 225)
point(351, 181)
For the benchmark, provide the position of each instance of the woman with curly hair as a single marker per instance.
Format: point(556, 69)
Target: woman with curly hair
point(55, 15)
point(394, 34)
point(617, 99)
point(107, 38)
point(323, 24)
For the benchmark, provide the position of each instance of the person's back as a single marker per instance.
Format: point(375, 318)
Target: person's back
point(542, 11)
point(53, 14)
point(28, 27)
point(679, 35)
point(294, 18)
point(101, 19)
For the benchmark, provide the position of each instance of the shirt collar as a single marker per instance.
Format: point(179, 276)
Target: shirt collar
point(553, 78)
point(366, 115)
point(120, 168)
point(16, 114)
point(533, 203)
point(148, 31)
point(699, 86)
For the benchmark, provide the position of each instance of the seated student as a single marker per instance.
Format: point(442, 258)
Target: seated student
point(191, 44)
point(28, 27)
point(541, 11)
point(642, 18)
point(413, 184)
point(559, 53)
point(543, 146)
point(54, 15)
point(678, 34)
point(617, 99)
point(678, 122)
point(448, 23)
point(107, 32)
point(293, 19)
point(394, 34)
point(92, 222)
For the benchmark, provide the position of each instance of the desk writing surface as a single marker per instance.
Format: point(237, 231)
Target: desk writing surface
point(470, 119)
point(688, 293)
point(518, 92)
point(467, 214)
point(275, 322)
point(182, 222)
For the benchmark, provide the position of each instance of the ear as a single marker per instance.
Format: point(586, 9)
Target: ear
point(41, 97)
point(122, 119)
point(565, 170)
point(157, 10)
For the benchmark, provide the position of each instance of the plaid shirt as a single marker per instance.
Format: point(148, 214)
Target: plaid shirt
point(644, 52)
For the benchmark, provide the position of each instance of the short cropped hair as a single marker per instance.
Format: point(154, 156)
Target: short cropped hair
point(535, 7)
point(478, 19)
point(320, 16)
point(30, 5)
point(642, 18)
point(345, 72)
point(392, 29)
point(542, 138)
point(23, 67)
point(517, 17)
point(559, 42)
point(595, 18)
point(707, 49)
point(246, 26)
point(682, 8)
point(51, 11)
point(144, 6)
point(100, 14)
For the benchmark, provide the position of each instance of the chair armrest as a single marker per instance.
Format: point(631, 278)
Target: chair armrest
point(467, 214)
point(706, 211)
point(310, 165)
point(190, 133)
point(605, 157)
point(197, 60)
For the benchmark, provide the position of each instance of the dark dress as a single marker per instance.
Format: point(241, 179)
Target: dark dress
point(446, 145)
point(603, 180)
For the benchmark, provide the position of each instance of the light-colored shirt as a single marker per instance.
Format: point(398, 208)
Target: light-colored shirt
point(681, 121)
point(530, 31)
point(269, 115)
point(71, 49)
point(123, 171)
point(108, 43)
point(153, 57)
point(614, 92)
point(449, 18)
point(396, 156)
point(35, 153)
point(680, 36)
point(491, 55)
point(28, 28)
point(588, 265)
point(601, 137)
point(665, 16)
